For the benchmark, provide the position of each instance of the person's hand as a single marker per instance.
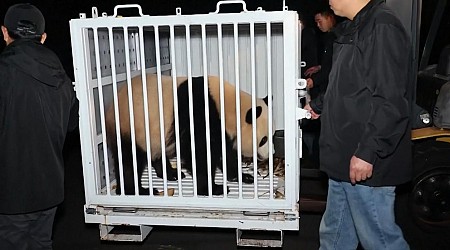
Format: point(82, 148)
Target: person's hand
point(309, 83)
point(360, 170)
point(312, 70)
point(314, 115)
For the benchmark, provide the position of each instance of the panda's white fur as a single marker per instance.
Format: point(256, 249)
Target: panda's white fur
point(199, 128)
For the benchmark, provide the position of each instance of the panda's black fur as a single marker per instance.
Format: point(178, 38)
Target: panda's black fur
point(200, 137)
point(185, 143)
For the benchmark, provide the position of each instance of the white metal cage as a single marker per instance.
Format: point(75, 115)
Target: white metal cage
point(257, 51)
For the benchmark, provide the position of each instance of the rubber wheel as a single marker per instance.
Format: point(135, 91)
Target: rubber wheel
point(430, 195)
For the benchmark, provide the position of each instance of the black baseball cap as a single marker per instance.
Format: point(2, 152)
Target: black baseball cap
point(24, 13)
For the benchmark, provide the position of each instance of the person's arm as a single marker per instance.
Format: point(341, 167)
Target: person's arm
point(73, 117)
point(314, 115)
point(316, 104)
point(388, 61)
point(312, 70)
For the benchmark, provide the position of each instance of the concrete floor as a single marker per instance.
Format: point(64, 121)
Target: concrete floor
point(70, 231)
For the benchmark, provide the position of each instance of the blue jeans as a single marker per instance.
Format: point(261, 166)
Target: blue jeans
point(360, 214)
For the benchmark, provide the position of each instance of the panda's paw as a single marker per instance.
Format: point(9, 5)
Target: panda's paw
point(247, 178)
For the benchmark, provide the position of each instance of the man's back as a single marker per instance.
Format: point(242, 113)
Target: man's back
point(36, 98)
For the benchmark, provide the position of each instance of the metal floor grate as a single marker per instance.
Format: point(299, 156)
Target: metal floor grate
point(248, 190)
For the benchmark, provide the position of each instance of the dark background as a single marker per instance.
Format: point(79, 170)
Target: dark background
point(59, 13)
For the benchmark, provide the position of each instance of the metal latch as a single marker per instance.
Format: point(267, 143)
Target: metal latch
point(301, 113)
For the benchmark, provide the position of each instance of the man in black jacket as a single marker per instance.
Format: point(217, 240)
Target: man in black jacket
point(37, 108)
point(365, 143)
point(308, 46)
point(317, 80)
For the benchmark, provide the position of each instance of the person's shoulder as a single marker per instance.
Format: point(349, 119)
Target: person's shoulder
point(46, 51)
point(45, 55)
point(386, 24)
point(385, 16)
point(381, 21)
point(342, 28)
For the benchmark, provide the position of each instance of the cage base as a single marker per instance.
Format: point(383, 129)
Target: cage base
point(124, 233)
point(259, 238)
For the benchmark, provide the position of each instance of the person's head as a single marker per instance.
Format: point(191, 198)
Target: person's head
point(23, 21)
point(325, 20)
point(347, 8)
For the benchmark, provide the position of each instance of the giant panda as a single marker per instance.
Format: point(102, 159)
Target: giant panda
point(184, 127)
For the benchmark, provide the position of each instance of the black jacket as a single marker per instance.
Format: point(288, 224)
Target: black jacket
point(309, 49)
point(367, 103)
point(37, 107)
point(320, 78)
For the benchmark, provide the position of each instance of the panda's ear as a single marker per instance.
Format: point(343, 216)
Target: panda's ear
point(266, 100)
point(248, 116)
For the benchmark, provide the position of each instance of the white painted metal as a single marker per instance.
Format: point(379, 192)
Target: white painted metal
point(205, 95)
point(258, 51)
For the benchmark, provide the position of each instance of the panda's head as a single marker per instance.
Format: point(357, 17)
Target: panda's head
point(261, 122)
point(262, 131)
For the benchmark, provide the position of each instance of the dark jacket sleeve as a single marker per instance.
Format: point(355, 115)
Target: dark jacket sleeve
point(320, 79)
point(389, 84)
point(74, 117)
point(74, 108)
point(317, 103)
